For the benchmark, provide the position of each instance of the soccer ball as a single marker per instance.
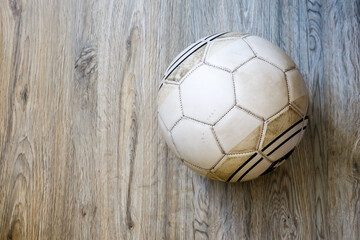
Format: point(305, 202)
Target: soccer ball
point(232, 106)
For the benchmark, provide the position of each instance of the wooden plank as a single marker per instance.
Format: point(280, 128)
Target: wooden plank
point(81, 156)
point(341, 116)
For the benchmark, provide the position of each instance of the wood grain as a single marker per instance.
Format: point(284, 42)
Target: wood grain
point(81, 156)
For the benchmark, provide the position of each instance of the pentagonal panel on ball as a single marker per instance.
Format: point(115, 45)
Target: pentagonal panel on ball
point(207, 94)
point(169, 104)
point(238, 131)
point(196, 143)
point(270, 52)
point(261, 88)
point(228, 53)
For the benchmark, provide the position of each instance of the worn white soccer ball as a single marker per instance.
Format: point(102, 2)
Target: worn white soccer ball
point(232, 106)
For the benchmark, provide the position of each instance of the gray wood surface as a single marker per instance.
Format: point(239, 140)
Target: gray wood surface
point(81, 156)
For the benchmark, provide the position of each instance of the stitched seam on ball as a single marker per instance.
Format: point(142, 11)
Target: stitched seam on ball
point(164, 81)
point(180, 100)
point(174, 65)
point(208, 45)
point(242, 165)
point(175, 147)
point(262, 136)
point(219, 160)
point(263, 156)
point(233, 85)
point(215, 176)
point(198, 121)
point(217, 140)
point(287, 87)
point(159, 116)
point(218, 67)
point(195, 165)
point(239, 154)
point(222, 160)
point(243, 64)
point(275, 65)
point(176, 123)
point(188, 73)
point(261, 58)
point(218, 163)
point(291, 69)
point(171, 82)
point(250, 113)
point(277, 139)
point(246, 42)
point(297, 110)
point(300, 110)
point(277, 113)
point(233, 106)
point(169, 131)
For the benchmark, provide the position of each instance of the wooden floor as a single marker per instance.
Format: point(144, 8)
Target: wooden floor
point(81, 156)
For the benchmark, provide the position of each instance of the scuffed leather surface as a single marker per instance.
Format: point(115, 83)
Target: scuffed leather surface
point(227, 101)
